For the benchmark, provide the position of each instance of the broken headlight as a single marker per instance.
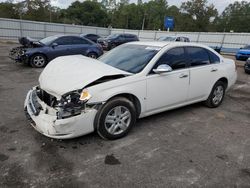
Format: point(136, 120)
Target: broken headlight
point(73, 103)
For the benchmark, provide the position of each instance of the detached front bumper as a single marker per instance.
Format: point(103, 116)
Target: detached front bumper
point(44, 119)
point(17, 55)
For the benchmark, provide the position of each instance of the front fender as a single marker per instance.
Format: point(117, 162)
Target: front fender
point(103, 92)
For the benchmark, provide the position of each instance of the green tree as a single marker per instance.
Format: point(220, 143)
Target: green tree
point(86, 13)
point(201, 12)
point(235, 17)
point(7, 10)
point(37, 10)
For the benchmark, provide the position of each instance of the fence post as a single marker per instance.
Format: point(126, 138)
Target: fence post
point(138, 33)
point(198, 37)
point(45, 29)
point(21, 28)
point(223, 40)
point(64, 29)
point(155, 35)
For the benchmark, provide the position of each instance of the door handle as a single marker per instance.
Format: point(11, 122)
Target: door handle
point(214, 69)
point(183, 76)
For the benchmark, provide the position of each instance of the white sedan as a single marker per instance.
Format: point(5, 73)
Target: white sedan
point(78, 95)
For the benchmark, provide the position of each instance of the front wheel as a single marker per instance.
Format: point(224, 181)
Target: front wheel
point(217, 95)
point(116, 118)
point(38, 61)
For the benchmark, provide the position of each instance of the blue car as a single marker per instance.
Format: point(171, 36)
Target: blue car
point(39, 53)
point(243, 53)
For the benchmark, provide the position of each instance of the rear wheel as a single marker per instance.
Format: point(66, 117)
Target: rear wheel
point(92, 55)
point(38, 61)
point(217, 95)
point(116, 118)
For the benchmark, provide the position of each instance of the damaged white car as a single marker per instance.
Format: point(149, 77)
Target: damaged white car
point(78, 95)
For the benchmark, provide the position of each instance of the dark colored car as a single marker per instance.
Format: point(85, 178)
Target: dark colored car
point(243, 53)
point(114, 40)
point(92, 37)
point(39, 53)
point(247, 66)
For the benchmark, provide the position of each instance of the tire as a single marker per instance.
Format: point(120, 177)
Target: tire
point(38, 61)
point(123, 115)
point(92, 55)
point(217, 95)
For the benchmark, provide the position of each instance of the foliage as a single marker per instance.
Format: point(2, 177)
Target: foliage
point(192, 15)
point(235, 17)
point(201, 12)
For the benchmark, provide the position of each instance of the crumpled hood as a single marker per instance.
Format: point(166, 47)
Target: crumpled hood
point(69, 73)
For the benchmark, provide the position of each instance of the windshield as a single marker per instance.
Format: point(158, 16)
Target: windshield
point(130, 57)
point(166, 39)
point(112, 36)
point(48, 40)
point(246, 47)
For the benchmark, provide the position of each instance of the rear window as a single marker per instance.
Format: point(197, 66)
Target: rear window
point(198, 56)
point(213, 57)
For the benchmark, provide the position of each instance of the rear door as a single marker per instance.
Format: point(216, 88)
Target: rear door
point(80, 46)
point(171, 88)
point(204, 72)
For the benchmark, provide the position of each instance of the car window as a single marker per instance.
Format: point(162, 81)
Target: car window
point(246, 47)
point(121, 37)
point(76, 40)
point(213, 57)
point(182, 39)
point(49, 40)
point(64, 41)
point(175, 58)
point(197, 56)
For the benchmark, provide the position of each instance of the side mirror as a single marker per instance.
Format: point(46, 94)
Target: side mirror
point(162, 69)
point(54, 45)
point(240, 47)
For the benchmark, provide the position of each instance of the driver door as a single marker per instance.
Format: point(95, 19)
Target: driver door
point(168, 89)
point(64, 45)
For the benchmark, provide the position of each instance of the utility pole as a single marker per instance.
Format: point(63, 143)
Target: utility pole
point(143, 21)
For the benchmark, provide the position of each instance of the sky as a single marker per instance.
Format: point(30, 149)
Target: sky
point(219, 4)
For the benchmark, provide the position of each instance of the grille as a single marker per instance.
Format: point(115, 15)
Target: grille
point(46, 97)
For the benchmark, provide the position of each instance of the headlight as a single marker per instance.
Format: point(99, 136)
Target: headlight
point(85, 95)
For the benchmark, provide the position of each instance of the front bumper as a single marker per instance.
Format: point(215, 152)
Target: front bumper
point(44, 119)
point(105, 45)
point(242, 57)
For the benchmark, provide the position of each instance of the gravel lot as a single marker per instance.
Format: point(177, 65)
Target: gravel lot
point(192, 146)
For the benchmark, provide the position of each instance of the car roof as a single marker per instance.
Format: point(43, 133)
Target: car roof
point(162, 44)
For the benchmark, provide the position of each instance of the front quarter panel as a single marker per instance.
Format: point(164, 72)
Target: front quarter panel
point(133, 84)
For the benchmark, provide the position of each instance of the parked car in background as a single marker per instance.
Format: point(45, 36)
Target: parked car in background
point(114, 40)
point(174, 39)
point(243, 53)
point(92, 37)
point(247, 66)
point(132, 81)
point(39, 53)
